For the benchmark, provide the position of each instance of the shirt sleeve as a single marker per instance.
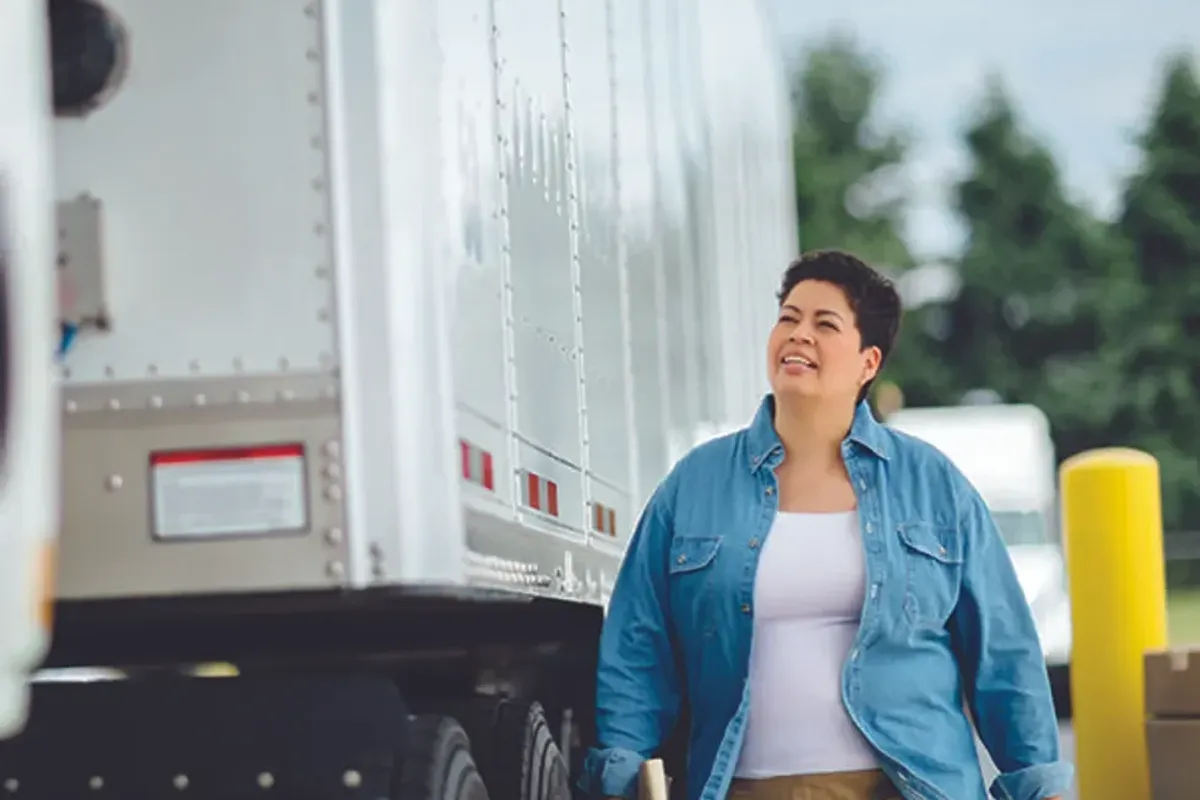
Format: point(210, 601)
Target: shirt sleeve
point(1003, 667)
point(637, 684)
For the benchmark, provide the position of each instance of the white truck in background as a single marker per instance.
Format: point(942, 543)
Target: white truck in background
point(1005, 450)
point(379, 321)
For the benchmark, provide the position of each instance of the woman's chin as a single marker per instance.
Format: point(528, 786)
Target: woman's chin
point(801, 386)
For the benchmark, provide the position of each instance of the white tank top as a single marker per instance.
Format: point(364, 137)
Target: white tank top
point(808, 597)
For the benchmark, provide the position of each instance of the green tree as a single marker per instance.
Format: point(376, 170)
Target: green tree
point(1040, 292)
point(1160, 219)
point(850, 192)
point(847, 189)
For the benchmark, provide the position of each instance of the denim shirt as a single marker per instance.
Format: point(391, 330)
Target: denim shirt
point(944, 627)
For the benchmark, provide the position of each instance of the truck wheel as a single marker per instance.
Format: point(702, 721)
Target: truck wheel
point(436, 763)
point(524, 762)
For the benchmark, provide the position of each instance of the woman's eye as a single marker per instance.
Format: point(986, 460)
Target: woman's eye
point(830, 325)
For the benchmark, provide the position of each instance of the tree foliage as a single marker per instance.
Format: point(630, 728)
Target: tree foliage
point(1093, 321)
point(1160, 219)
point(847, 191)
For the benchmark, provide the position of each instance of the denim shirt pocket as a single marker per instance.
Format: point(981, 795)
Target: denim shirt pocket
point(933, 562)
point(691, 575)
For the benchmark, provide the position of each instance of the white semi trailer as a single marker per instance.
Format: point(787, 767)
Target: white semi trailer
point(376, 323)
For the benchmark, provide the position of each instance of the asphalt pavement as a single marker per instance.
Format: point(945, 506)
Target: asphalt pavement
point(1065, 735)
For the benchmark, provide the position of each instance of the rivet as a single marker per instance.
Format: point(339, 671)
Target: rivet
point(180, 782)
point(333, 472)
point(156, 401)
point(199, 399)
point(335, 536)
point(266, 780)
point(286, 395)
point(243, 396)
point(332, 448)
point(333, 493)
point(336, 570)
point(114, 482)
point(114, 403)
point(72, 406)
point(95, 783)
point(352, 779)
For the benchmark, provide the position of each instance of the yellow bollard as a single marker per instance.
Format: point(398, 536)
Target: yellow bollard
point(1112, 513)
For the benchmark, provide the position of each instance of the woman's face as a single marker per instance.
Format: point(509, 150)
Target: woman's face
point(815, 349)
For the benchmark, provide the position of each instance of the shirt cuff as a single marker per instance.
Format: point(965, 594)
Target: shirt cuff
point(611, 772)
point(1038, 782)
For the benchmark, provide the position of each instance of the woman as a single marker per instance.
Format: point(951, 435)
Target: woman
point(827, 592)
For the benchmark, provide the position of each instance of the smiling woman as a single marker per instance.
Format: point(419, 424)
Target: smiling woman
point(823, 590)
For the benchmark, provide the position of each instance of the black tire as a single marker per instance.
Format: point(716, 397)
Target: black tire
point(523, 759)
point(437, 764)
point(1060, 688)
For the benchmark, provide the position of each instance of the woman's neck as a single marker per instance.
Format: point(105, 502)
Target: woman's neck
point(812, 431)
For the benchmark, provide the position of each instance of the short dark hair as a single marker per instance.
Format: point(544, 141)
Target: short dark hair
point(871, 295)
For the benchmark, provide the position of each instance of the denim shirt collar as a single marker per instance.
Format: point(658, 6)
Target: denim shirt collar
point(765, 447)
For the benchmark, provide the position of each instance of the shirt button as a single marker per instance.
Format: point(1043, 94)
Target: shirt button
point(753, 543)
point(682, 559)
point(874, 590)
point(770, 491)
point(868, 527)
point(745, 608)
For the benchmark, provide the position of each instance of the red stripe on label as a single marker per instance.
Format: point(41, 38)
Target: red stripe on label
point(226, 454)
point(489, 478)
point(465, 450)
point(552, 498)
point(535, 499)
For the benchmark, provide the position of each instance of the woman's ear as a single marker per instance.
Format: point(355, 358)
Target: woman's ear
point(873, 356)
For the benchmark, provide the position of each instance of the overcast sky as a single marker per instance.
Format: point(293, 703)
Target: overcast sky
point(1083, 73)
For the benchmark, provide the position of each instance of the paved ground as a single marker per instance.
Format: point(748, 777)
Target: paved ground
point(1066, 736)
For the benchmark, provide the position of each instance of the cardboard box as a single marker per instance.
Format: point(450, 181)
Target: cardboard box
point(1173, 723)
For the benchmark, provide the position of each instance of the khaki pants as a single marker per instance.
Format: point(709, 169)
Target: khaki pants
point(871, 784)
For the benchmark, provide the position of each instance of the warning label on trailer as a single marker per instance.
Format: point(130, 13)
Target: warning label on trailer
point(233, 492)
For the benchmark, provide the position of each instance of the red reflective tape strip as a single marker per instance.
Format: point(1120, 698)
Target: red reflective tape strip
point(532, 491)
point(612, 522)
point(489, 476)
point(227, 454)
point(465, 450)
point(598, 517)
point(552, 498)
